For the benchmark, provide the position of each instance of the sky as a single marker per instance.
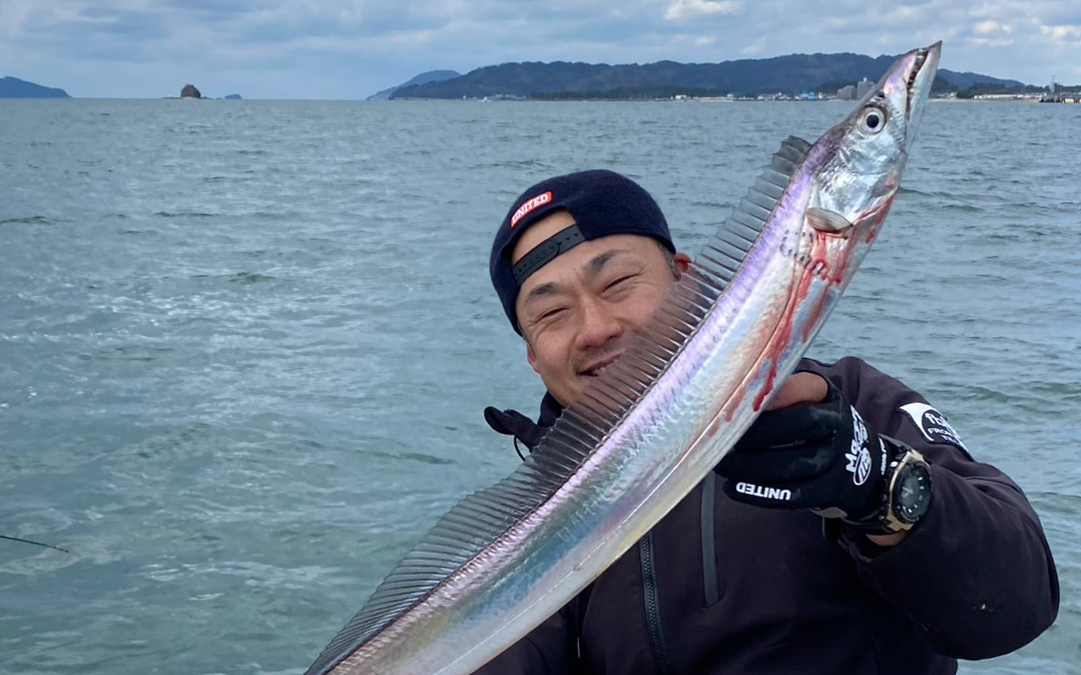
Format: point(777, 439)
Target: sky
point(349, 49)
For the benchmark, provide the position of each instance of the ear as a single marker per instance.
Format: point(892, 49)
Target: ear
point(531, 356)
point(683, 263)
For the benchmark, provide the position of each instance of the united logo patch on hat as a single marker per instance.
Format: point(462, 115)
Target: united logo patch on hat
point(524, 209)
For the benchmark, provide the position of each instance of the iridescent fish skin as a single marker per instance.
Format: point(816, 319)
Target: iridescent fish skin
point(656, 422)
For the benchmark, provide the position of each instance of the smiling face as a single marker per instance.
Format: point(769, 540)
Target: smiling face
point(578, 311)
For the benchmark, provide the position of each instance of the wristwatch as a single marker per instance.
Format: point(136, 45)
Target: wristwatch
point(907, 496)
point(908, 491)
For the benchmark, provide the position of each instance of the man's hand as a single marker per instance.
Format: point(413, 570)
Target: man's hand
point(810, 450)
point(800, 388)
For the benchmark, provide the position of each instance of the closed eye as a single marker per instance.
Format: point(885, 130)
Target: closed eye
point(550, 314)
point(618, 281)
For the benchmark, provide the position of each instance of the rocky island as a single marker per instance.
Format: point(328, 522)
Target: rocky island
point(13, 87)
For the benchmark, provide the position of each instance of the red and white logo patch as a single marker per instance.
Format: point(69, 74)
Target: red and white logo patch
point(524, 209)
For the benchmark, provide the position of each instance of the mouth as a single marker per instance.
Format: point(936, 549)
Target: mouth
point(921, 58)
point(924, 67)
point(597, 368)
point(919, 80)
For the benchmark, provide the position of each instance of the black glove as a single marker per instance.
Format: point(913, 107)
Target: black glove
point(818, 456)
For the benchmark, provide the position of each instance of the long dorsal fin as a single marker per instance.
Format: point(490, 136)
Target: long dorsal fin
point(480, 519)
point(725, 252)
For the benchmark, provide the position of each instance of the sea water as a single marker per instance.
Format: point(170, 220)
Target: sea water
point(245, 345)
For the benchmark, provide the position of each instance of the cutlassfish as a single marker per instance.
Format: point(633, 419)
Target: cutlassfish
point(658, 420)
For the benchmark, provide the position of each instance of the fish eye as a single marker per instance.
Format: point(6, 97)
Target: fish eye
point(872, 120)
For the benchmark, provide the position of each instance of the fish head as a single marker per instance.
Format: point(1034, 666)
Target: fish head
point(859, 162)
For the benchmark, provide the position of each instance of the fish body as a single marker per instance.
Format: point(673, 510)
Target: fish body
point(660, 418)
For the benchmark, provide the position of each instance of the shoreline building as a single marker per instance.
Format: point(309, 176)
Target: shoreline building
point(863, 87)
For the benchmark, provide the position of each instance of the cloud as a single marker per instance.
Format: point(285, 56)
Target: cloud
point(688, 9)
point(990, 33)
point(1062, 33)
point(988, 27)
point(753, 49)
point(350, 48)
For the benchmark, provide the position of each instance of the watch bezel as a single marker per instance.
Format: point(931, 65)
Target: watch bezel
point(909, 464)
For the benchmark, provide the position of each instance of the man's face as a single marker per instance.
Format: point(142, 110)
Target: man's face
point(578, 311)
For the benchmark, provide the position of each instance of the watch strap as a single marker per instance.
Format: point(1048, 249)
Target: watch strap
point(885, 520)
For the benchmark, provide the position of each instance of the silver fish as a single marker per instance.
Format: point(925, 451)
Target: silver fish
point(658, 420)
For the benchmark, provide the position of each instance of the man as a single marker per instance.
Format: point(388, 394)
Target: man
point(849, 532)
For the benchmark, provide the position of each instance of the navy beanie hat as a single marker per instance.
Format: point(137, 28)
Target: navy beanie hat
point(601, 202)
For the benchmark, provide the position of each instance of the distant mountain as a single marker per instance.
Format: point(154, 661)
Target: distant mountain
point(423, 78)
point(968, 80)
point(13, 87)
point(790, 74)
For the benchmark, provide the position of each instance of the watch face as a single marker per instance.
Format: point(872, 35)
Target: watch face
point(913, 493)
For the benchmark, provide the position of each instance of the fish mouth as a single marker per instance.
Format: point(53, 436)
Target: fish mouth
point(918, 82)
point(918, 75)
point(921, 58)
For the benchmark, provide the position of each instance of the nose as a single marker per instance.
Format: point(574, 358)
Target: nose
point(599, 324)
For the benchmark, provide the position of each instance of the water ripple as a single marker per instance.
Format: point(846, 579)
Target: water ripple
point(260, 360)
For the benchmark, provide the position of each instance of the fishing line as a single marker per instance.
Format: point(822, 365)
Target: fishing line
point(35, 543)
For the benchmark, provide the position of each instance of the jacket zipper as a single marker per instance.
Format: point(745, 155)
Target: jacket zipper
point(709, 537)
point(653, 612)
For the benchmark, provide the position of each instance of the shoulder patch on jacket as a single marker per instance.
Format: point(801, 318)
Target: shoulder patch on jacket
point(932, 424)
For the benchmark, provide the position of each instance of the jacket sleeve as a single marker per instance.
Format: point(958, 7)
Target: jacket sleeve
point(547, 650)
point(976, 571)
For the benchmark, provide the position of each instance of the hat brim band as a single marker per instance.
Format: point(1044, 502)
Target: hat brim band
point(544, 252)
